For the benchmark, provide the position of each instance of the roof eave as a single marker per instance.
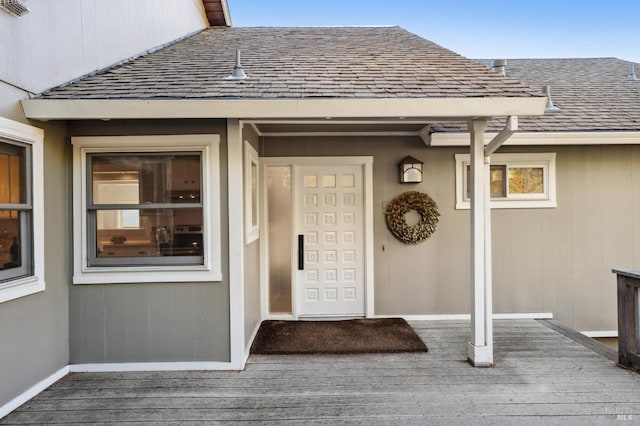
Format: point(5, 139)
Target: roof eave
point(341, 108)
point(544, 138)
point(213, 9)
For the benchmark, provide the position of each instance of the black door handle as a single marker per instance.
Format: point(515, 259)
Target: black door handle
point(300, 252)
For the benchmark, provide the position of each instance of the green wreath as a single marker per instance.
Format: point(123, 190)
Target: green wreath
point(412, 200)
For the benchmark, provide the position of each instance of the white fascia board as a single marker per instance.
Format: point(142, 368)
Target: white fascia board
point(436, 108)
point(545, 138)
point(225, 11)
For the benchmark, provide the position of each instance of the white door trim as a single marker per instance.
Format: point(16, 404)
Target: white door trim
point(366, 162)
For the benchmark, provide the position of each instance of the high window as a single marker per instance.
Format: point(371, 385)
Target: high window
point(251, 199)
point(149, 210)
point(21, 217)
point(516, 181)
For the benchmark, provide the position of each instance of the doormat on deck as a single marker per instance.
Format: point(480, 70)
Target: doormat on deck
point(357, 336)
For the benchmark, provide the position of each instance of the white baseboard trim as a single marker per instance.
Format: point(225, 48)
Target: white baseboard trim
point(610, 333)
point(466, 317)
point(150, 366)
point(33, 391)
point(532, 315)
point(435, 317)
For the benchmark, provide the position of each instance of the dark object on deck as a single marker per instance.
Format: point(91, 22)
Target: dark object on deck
point(336, 337)
point(628, 286)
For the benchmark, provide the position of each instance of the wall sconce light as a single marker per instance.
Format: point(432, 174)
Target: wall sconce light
point(411, 170)
point(14, 7)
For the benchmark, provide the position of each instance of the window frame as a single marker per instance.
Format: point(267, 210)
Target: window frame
point(94, 208)
point(544, 160)
point(32, 279)
point(208, 145)
point(251, 230)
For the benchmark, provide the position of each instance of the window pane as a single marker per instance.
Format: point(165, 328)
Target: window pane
point(11, 249)
point(160, 233)
point(348, 181)
point(329, 181)
point(310, 181)
point(124, 191)
point(254, 194)
point(5, 182)
point(146, 178)
point(498, 181)
point(526, 180)
point(12, 174)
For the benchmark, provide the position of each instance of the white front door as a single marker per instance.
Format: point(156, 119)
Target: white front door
point(329, 239)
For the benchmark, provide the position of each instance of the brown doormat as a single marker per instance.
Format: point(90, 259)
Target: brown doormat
point(336, 337)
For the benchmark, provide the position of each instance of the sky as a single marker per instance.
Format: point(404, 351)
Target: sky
point(491, 29)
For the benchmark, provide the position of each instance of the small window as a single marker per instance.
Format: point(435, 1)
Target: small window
point(149, 210)
point(516, 181)
point(21, 215)
point(252, 184)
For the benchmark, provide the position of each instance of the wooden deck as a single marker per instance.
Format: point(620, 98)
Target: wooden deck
point(541, 377)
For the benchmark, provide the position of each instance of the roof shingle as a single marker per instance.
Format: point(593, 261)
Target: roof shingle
point(593, 93)
point(312, 62)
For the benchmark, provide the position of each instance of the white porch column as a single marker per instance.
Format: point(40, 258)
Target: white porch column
point(480, 347)
point(236, 243)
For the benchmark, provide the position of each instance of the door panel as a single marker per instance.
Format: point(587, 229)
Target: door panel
point(329, 210)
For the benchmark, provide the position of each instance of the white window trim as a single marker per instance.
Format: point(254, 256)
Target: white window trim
point(546, 160)
point(209, 146)
point(251, 232)
point(32, 136)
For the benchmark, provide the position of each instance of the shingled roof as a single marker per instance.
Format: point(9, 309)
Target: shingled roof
point(292, 63)
point(593, 93)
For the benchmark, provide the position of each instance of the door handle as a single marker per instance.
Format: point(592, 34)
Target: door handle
point(300, 252)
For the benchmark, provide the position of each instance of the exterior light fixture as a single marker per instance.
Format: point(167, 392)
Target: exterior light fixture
point(411, 170)
point(14, 7)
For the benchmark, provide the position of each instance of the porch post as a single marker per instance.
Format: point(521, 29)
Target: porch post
point(480, 347)
point(236, 243)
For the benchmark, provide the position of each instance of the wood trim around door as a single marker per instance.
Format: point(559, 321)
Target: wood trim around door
point(366, 162)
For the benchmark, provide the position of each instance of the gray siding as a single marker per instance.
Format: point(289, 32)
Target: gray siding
point(153, 322)
point(544, 260)
point(34, 330)
point(251, 266)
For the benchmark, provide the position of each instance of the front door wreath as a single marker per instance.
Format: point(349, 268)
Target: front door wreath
point(398, 208)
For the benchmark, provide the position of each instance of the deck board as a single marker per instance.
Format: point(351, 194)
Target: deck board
point(540, 377)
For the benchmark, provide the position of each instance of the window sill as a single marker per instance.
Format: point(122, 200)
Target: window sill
point(145, 275)
point(21, 287)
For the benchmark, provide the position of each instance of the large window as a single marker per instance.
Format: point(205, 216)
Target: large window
point(21, 220)
point(15, 212)
point(516, 181)
point(150, 211)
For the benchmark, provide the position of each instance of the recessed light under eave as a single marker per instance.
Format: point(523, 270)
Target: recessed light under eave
point(14, 7)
